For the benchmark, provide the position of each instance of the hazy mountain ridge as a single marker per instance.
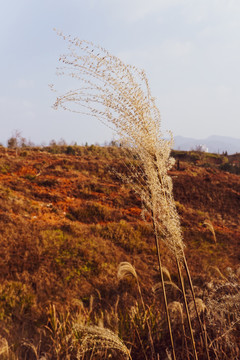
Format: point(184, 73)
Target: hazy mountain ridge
point(214, 143)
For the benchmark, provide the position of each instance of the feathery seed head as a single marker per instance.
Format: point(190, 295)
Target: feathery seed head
point(201, 307)
point(125, 269)
point(94, 338)
point(209, 225)
point(176, 311)
point(119, 95)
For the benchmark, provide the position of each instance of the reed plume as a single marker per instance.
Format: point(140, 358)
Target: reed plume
point(97, 339)
point(119, 95)
point(209, 225)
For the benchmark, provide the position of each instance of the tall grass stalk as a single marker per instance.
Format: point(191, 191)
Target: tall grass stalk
point(164, 290)
point(202, 328)
point(119, 95)
point(187, 310)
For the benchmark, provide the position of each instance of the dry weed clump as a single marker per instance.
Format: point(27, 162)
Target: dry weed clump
point(223, 316)
point(71, 337)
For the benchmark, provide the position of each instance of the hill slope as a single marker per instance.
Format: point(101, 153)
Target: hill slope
point(67, 222)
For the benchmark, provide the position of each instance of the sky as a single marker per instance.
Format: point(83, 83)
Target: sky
point(190, 50)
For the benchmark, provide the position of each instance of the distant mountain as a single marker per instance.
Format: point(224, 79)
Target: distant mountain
point(214, 144)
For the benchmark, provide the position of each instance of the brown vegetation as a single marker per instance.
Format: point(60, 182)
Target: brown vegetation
point(67, 222)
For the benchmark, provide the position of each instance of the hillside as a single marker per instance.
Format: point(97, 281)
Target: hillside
point(67, 221)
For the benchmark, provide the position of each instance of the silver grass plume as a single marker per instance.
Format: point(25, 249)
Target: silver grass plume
point(209, 225)
point(95, 338)
point(118, 94)
point(126, 269)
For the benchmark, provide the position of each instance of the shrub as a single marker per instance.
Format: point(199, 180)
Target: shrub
point(123, 234)
point(92, 213)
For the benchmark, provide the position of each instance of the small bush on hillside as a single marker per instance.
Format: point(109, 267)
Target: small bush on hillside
point(92, 213)
point(123, 234)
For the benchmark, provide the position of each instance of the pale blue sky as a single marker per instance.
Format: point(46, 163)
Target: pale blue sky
point(190, 50)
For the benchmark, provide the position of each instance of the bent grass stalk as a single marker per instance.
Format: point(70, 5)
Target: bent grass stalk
point(209, 225)
point(124, 270)
point(119, 95)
